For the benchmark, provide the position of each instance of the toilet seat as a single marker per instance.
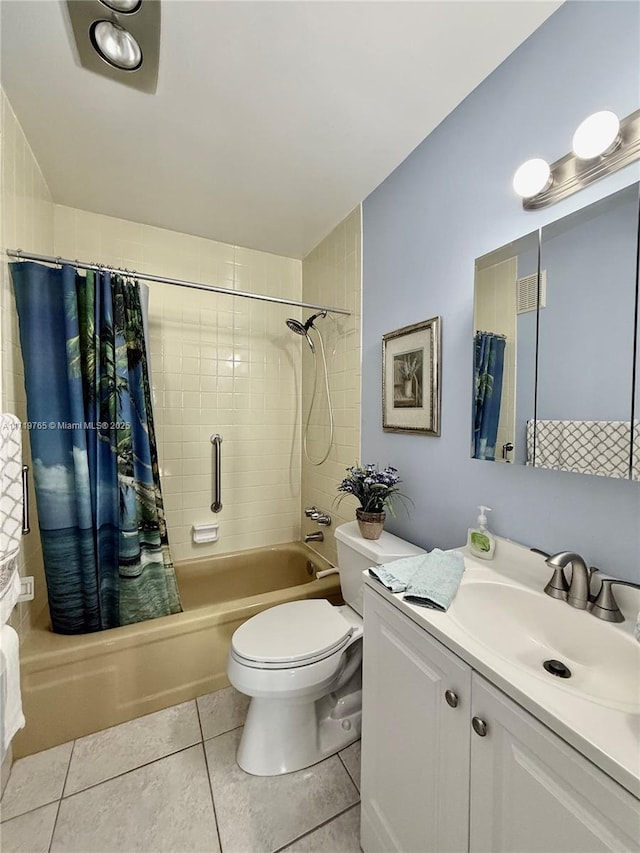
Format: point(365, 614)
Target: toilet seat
point(293, 634)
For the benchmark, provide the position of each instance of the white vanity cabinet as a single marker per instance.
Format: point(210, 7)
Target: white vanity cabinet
point(431, 783)
point(415, 760)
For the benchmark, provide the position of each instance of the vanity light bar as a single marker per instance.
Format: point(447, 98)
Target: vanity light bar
point(595, 139)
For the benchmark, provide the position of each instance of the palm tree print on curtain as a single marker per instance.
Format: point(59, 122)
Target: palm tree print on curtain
point(101, 514)
point(488, 370)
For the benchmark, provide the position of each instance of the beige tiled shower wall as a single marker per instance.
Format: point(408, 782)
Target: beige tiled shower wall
point(220, 364)
point(26, 222)
point(495, 311)
point(331, 275)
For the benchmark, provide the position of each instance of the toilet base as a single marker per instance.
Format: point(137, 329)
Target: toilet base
point(282, 735)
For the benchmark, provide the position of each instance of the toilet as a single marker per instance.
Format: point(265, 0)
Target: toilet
point(300, 663)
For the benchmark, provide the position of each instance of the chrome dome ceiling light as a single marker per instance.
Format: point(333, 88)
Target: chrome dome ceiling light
point(119, 39)
point(116, 45)
point(127, 7)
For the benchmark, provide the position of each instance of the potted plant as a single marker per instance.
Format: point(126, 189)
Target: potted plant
point(375, 491)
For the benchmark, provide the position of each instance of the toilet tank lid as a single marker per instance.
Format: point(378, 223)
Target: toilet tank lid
point(383, 550)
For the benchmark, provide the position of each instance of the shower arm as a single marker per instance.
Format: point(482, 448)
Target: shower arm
point(51, 259)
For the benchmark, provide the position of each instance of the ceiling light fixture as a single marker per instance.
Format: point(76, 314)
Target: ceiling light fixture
point(116, 45)
point(118, 39)
point(602, 144)
point(126, 7)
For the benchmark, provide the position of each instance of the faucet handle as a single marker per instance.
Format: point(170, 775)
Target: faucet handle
point(557, 586)
point(605, 606)
point(539, 551)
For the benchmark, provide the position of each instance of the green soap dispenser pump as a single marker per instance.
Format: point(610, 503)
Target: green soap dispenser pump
point(482, 543)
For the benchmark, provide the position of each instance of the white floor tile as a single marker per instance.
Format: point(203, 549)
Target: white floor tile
point(113, 751)
point(222, 711)
point(340, 835)
point(351, 760)
point(164, 806)
point(35, 781)
point(29, 833)
point(258, 814)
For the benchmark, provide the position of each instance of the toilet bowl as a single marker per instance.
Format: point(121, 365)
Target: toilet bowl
point(300, 663)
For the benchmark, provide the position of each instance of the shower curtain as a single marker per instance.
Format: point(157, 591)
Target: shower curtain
point(101, 514)
point(488, 370)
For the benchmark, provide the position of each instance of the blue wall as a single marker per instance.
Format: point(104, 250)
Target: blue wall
point(450, 202)
point(591, 290)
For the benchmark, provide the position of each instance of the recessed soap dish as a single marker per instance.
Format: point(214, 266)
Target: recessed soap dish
point(202, 533)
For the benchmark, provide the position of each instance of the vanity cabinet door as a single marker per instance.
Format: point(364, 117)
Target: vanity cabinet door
point(415, 746)
point(533, 793)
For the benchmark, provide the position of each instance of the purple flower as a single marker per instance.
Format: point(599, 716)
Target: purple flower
point(374, 489)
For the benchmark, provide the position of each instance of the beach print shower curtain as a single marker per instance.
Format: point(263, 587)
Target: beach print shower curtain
point(101, 515)
point(488, 370)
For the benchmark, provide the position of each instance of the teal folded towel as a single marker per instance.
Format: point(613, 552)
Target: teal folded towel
point(396, 576)
point(436, 582)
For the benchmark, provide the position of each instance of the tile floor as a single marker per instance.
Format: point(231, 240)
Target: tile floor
point(169, 782)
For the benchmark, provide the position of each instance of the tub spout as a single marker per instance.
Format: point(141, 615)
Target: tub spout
point(318, 536)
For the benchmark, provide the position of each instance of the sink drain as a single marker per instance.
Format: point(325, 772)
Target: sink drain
point(556, 667)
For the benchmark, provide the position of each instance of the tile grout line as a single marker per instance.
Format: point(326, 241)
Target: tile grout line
point(64, 784)
point(349, 774)
point(131, 770)
point(206, 765)
point(319, 826)
point(124, 772)
point(28, 811)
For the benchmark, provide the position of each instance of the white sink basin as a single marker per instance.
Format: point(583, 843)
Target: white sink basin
point(527, 628)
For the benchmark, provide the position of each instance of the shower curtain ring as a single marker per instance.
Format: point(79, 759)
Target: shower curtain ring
point(59, 261)
point(19, 254)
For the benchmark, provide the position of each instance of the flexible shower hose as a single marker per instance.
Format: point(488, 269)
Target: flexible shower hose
point(313, 399)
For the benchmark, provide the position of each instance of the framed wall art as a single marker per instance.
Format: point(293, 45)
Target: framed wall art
point(411, 379)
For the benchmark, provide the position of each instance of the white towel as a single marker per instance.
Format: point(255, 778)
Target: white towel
point(10, 485)
point(11, 716)
point(11, 589)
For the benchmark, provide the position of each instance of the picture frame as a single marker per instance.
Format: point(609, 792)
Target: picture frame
point(411, 379)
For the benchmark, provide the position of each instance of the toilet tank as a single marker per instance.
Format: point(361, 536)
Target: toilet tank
point(356, 554)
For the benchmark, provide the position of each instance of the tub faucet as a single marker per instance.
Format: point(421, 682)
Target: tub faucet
point(318, 536)
point(576, 593)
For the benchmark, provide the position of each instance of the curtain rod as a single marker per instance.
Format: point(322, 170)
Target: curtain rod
point(50, 259)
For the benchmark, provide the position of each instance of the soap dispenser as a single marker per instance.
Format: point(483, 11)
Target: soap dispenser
point(481, 543)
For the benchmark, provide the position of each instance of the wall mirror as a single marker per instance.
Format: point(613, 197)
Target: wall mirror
point(555, 340)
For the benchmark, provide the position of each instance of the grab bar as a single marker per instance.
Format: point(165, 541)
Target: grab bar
point(25, 500)
point(216, 506)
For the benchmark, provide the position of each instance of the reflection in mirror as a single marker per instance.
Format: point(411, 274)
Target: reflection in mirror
point(554, 351)
point(504, 316)
point(635, 442)
point(586, 339)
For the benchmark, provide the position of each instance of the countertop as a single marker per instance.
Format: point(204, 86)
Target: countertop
point(608, 737)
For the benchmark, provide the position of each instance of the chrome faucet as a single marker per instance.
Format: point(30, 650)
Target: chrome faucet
point(318, 536)
point(576, 593)
point(605, 606)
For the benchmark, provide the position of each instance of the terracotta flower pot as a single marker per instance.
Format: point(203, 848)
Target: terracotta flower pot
point(371, 524)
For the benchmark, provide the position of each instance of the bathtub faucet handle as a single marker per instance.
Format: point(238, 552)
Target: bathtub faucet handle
point(322, 518)
point(310, 511)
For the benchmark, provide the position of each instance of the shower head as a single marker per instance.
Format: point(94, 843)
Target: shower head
point(300, 329)
point(296, 326)
point(303, 328)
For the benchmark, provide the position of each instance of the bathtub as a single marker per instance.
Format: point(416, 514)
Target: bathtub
point(75, 685)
